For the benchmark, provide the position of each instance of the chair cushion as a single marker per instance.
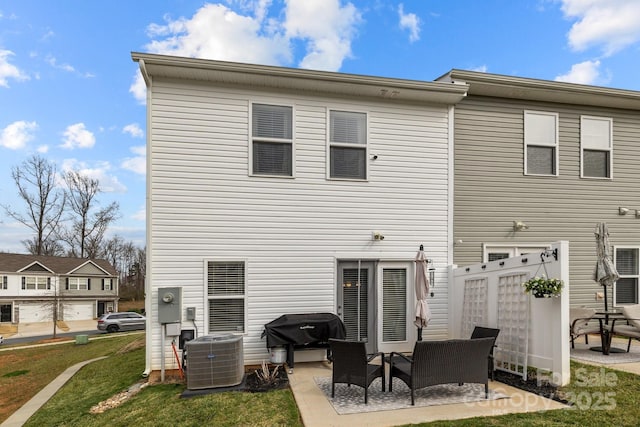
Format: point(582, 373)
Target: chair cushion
point(626, 330)
point(632, 312)
point(582, 326)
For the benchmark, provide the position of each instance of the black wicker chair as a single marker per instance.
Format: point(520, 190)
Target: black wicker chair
point(351, 365)
point(482, 332)
point(442, 362)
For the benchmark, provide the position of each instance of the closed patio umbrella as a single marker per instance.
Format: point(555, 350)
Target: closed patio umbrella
point(423, 314)
point(605, 272)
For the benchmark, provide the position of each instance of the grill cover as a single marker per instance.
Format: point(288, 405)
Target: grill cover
point(309, 330)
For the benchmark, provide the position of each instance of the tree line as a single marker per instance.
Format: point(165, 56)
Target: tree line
point(65, 215)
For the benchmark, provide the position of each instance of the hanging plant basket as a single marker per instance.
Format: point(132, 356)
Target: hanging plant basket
point(541, 287)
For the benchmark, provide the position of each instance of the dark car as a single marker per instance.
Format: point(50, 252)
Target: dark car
point(123, 321)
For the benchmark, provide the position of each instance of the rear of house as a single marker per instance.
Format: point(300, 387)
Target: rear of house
point(274, 190)
point(539, 161)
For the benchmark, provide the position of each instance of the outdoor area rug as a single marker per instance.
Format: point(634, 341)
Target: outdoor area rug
point(350, 400)
point(582, 354)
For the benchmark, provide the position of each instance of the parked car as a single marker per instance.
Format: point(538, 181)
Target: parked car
point(123, 321)
point(1, 339)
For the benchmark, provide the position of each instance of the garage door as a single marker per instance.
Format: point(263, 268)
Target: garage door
point(78, 310)
point(34, 312)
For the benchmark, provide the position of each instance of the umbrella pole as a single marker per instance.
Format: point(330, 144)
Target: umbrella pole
point(419, 334)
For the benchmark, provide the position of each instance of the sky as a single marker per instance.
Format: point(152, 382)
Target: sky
point(70, 92)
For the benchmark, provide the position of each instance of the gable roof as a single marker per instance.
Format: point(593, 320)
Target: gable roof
point(502, 86)
point(14, 263)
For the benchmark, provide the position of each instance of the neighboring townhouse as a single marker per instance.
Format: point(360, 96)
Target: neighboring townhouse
point(540, 161)
point(274, 190)
point(31, 285)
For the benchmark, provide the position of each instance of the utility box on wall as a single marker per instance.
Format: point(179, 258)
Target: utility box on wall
point(169, 305)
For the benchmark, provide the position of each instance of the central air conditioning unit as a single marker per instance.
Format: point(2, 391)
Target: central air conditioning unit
point(214, 361)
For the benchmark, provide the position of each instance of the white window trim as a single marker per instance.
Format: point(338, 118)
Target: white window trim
point(329, 144)
point(76, 286)
point(513, 249)
point(613, 300)
point(610, 148)
point(108, 284)
point(277, 140)
point(38, 283)
point(555, 145)
point(207, 297)
point(5, 283)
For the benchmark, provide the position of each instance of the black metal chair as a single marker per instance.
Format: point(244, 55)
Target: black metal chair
point(482, 332)
point(351, 365)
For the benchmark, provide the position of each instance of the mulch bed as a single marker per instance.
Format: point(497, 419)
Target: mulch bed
point(254, 384)
point(531, 385)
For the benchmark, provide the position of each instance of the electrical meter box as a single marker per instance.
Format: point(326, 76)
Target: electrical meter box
point(169, 305)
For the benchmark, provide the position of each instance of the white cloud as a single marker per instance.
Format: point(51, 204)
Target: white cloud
point(480, 69)
point(100, 171)
point(586, 72)
point(411, 22)
point(326, 27)
point(17, 134)
point(137, 164)
point(612, 24)
point(51, 60)
point(77, 136)
point(217, 32)
point(140, 215)
point(134, 130)
point(9, 71)
point(139, 89)
point(43, 149)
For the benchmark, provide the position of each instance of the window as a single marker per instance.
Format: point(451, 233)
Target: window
point(347, 145)
point(541, 143)
point(272, 140)
point(36, 282)
point(626, 287)
point(106, 284)
point(78, 283)
point(595, 146)
point(4, 283)
point(226, 296)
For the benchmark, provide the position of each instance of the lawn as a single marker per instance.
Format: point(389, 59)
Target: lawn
point(602, 397)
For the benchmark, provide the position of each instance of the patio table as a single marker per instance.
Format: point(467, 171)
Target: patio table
point(605, 332)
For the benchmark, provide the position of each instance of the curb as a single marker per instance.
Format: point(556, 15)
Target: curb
point(23, 414)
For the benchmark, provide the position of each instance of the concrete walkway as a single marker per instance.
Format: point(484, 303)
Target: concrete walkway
point(28, 409)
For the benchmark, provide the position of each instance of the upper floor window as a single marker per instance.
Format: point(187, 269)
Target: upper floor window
point(4, 283)
point(78, 283)
point(540, 143)
point(36, 282)
point(347, 145)
point(271, 140)
point(107, 285)
point(226, 296)
point(626, 287)
point(596, 144)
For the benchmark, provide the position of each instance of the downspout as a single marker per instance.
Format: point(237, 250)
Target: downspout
point(149, 270)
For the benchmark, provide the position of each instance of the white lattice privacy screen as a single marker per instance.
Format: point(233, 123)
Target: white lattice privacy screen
point(511, 349)
point(474, 305)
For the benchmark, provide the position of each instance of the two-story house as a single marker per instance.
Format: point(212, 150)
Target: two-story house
point(539, 161)
point(274, 190)
point(32, 286)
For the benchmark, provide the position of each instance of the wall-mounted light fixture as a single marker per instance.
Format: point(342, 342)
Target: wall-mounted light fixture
point(519, 226)
point(622, 211)
point(378, 235)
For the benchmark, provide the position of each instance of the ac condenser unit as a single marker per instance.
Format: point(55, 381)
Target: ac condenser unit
point(214, 361)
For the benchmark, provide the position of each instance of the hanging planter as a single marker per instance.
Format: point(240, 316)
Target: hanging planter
point(541, 287)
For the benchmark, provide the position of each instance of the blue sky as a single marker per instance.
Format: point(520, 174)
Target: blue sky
point(70, 92)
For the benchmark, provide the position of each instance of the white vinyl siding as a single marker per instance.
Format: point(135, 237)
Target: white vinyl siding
point(626, 288)
point(272, 140)
point(596, 146)
point(540, 143)
point(347, 145)
point(225, 291)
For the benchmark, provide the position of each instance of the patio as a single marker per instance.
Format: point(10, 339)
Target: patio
point(316, 410)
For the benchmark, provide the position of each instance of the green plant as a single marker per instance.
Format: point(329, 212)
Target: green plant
point(541, 287)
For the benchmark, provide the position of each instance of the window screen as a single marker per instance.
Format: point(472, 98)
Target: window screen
point(541, 142)
point(348, 145)
point(272, 140)
point(226, 292)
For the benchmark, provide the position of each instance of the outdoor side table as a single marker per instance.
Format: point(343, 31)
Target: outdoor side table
point(605, 334)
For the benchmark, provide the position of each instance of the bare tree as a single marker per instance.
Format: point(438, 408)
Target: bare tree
point(45, 202)
point(88, 222)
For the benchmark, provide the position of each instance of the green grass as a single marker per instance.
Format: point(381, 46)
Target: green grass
point(602, 397)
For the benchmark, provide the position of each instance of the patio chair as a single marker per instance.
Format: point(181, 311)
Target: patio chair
point(580, 324)
point(442, 362)
point(631, 330)
point(351, 365)
point(482, 332)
